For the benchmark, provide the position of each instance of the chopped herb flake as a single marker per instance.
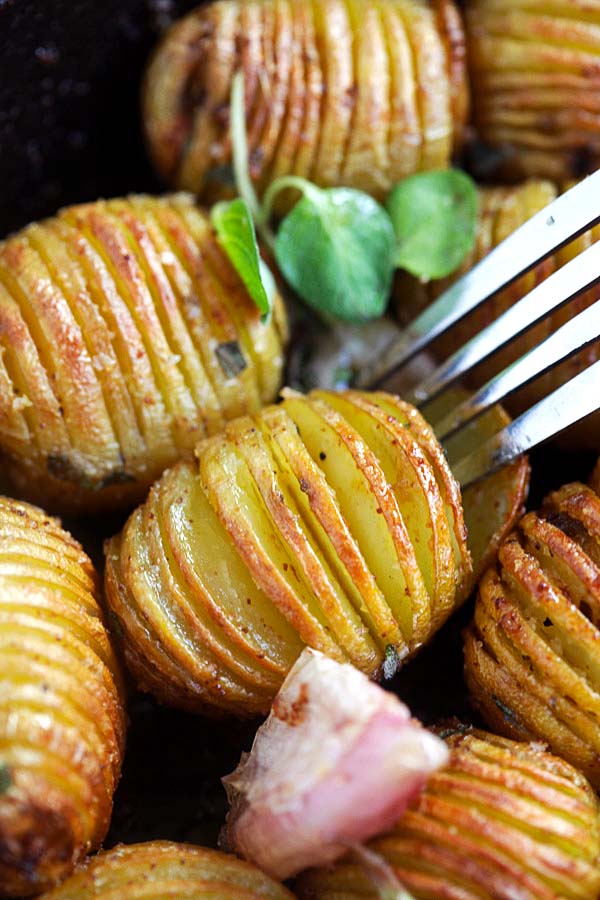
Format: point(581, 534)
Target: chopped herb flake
point(231, 359)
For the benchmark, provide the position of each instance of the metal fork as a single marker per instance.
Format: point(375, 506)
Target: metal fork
point(571, 214)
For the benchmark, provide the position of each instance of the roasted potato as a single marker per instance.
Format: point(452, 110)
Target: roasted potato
point(331, 520)
point(125, 337)
point(502, 820)
point(535, 71)
point(532, 652)
point(502, 211)
point(358, 94)
point(161, 869)
point(62, 721)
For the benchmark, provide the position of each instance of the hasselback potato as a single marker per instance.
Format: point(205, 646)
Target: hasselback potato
point(330, 520)
point(358, 94)
point(501, 211)
point(532, 652)
point(535, 71)
point(125, 337)
point(160, 869)
point(61, 714)
point(502, 820)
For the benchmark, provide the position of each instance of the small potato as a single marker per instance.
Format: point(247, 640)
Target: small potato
point(342, 93)
point(501, 212)
point(535, 71)
point(502, 820)
point(532, 652)
point(330, 521)
point(159, 870)
point(62, 721)
point(125, 337)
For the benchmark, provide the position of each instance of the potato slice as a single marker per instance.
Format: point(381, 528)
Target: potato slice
point(367, 504)
point(413, 481)
point(159, 869)
point(501, 819)
point(343, 621)
point(313, 92)
point(322, 515)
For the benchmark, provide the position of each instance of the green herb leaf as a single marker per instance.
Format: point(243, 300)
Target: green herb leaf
point(435, 219)
point(391, 662)
point(235, 231)
point(5, 779)
point(231, 359)
point(336, 249)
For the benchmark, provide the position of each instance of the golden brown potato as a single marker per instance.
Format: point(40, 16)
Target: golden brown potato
point(535, 71)
point(502, 820)
point(61, 716)
point(330, 520)
point(161, 869)
point(125, 337)
point(502, 211)
point(343, 93)
point(532, 653)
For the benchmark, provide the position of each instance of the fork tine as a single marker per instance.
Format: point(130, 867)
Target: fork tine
point(568, 404)
point(576, 334)
point(558, 223)
point(568, 282)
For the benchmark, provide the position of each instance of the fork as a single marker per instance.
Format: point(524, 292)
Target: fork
point(557, 224)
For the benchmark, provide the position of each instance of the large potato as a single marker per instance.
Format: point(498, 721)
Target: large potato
point(535, 70)
point(61, 715)
point(160, 869)
point(125, 337)
point(502, 820)
point(502, 211)
point(357, 93)
point(532, 652)
point(330, 520)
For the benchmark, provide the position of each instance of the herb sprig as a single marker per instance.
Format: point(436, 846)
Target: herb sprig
point(337, 247)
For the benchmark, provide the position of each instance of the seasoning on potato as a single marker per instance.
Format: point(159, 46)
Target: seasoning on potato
point(358, 94)
point(125, 337)
point(535, 72)
point(532, 652)
point(62, 720)
point(501, 820)
point(159, 869)
point(501, 211)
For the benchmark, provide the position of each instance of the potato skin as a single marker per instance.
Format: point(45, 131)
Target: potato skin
point(62, 721)
point(319, 522)
point(532, 658)
point(535, 70)
point(114, 317)
point(358, 94)
point(501, 211)
point(160, 869)
point(501, 820)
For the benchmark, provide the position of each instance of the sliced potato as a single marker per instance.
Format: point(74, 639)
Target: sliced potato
point(62, 718)
point(322, 521)
point(531, 653)
point(160, 869)
point(502, 819)
point(351, 70)
point(126, 338)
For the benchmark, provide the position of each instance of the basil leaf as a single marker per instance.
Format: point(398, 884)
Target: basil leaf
point(435, 219)
point(336, 249)
point(235, 230)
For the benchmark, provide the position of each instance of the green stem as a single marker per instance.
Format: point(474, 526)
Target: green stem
point(241, 165)
point(280, 184)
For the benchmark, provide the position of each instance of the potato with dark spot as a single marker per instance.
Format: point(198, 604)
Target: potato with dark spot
point(158, 870)
point(343, 93)
point(125, 337)
point(62, 720)
point(502, 820)
point(535, 72)
point(330, 521)
point(532, 652)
